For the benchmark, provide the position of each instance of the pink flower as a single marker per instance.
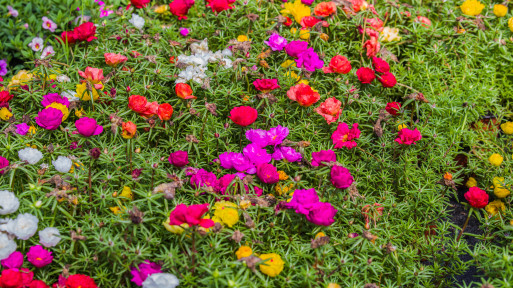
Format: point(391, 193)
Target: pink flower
point(14, 261)
point(49, 24)
point(407, 136)
point(47, 52)
point(4, 163)
point(329, 109)
point(179, 158)
point(144, 270)
point(303, 200)
point(113, 59)
point(323, 156)
point(372, 46)
point(88, 127)
point(49, 118)
point(341, 177)
point(191, 215)
point(93, 75)
point(267, 173)
point(184, 32)
point(48, 99)
point(423, 20)
point(266, 85)
point(322, 213)
point(39, 257)
point(343, 136)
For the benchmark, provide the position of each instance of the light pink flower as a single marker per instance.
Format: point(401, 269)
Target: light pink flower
point(36, 44)
point(49, 24)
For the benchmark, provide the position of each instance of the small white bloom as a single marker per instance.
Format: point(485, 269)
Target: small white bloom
point(161, 280)
point(49, 237)
point(227, 63)
point(63, 78)
point(227, 52)
point(70, 94)
point(137, 21)
point(47, 52)
point(8, 202)
point(38, 204)
point(7, 246)
point(24, 226)
point(44, 166)
point(36, 44)
point(31, 155)
point(62, 164)
point(49, 24)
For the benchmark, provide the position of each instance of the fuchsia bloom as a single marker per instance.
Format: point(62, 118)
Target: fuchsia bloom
point(48, 99)
point(276, 42)
point(258, 137)
point(341, 177)
point(407, 136)
point(3, 164)
point(203, 178)
point(144, 270)
point(267, 173)
point(287, 153)
point(179, 158)
point(256, 155)
point(39, 257)
point(306, 202)
point(14, 261)
point(237, 161)
point(343, 136)
point(277, 135)
point(88, 127)
point(365, 75)
point(322, 213)
point(294, 48)
point(309, 60)
point(191, 215)
point(22, 129)
point(266, 85)
point(380, 65)
point(49, 118)
point(476, 197)
point(184, 32)
point(180, 8)
point(323, 156)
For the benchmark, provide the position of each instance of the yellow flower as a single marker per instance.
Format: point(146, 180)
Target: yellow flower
point(304, 81)
point(244, 204)
point(498, 189)
point(297, 9)
point(390, 34)
point(494, 207)
point(244, 251)
point(324, 37)
point(319, 235)
point(84, 94)
point(273, 266)
point(507, 127)
point(333, 285)
point(62, 108)
point(471, 182)
point(282, 189)
point(5, 114)
point(20, 79)
point(127, 193)
point(495, 159)
point(472, 7)
point(32, 129)
point(288, 63)
point(117, 210)
point(401, 126)
point(226, 213)
point(304, 34)
point(80, 113)
point(510, 24)
point(243, 38)
point(161, 9)
point(500, 10)
point(175, 229)
point(283, 175)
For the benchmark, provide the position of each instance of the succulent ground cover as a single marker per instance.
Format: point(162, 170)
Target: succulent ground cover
point(255, 143)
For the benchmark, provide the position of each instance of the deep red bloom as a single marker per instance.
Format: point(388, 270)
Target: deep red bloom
point(267, 173)
point(266, 85)
point(393, 108)
point(11, 278)
point(80, 281)
point(85, 32)
point(476, 197)
point(288, 22)
point(5, 96)
point(191, 215)
point(165, 111)
point(38, 284)
point(180, 8)
point(380, 65)
point(243, 115)
point(338, 64)
point(303, 95)
point(220, 5)
point(365, 75)
point(68, 36)
point(309, 21)
point(139, 3)
point(179, 158)
point(387, 80)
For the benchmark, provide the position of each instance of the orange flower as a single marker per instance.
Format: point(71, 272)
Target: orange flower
point(113, 59)
point(329, 109)
point(152, 108)
point(137, 103)
point(128, 130)
point(184, 91)
point(325, 9)
point(447, 176)
point(303, 95)
point(165, 111)
point(93, 75)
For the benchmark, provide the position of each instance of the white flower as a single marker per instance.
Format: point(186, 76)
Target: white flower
point(36, 44)
point(7, 246)
point(70, 94)
point(49, 24)
point(31, 155)
point(49, 237)
point(161, 280)
point(8, 202)
point(47, 52)
point(5, 225)
point(137, 21)
point(62, 164)
point(63, 78)
point(227, 52)
point(24, 226)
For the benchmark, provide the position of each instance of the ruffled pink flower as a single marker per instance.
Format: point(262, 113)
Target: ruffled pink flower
point(88, 127)
point(322, 213)
point(144, 270)
point(113, 59)
point(407, 136)
point(179, 158)
point(39, 257)
point(267, 173)
point(14, 261)
point(4, 163)
point(49, 118)
point(203, 178)
point(191, 215)
point(372, 46)
point(323, 156)
point(48, 99)
point(303, 200)
point(93, 75)
point(341, 177)
point(343, 136)
point(266, 85)
point(330, 109)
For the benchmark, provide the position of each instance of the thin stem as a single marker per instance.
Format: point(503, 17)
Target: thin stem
point(464, 225)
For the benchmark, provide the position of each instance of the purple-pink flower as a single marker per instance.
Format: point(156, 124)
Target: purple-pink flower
point(309, 60)
point(294, 48)
point(3, 164)
point(184, 32)
point(258, 137)
point(49, 118)
point(267, 173)
point(343, 136)
point(287, 153)
point(88, 127)
point(179, 158)
point(341, 177)
point(203, 178)
point(323, 156)
point(256, 155)
point(49, 24)
point(237, 161)
point(3, 67)
point(39, 257)
point(22, 129)
point(303, 200)
point(14, 261)
point(407, 137)
point(322, 213)
point(144, 270)
point(276, 42)
point(48, 99)
point(277, 135)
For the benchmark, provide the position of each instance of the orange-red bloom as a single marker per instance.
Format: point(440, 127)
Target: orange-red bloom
point(113, 59)
point(137, 103)
point(165, 111)
point(184, 91)
point(330, 109)
point(325, 9)
point(128, 130)
point(303, 95)
point(338, 64)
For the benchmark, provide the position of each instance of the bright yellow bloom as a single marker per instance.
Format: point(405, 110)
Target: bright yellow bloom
point(127, 193)
point(226, 213)
point(20, 79)
point(84, 94)
point(273, 266)
point(401, 126)
point(500, 10)
point(117, 210)
point(244, 204)
point(495, 159)
point(62, 108)
point(507, 127)
point(175, 229)
point(333, 285)
point(471, 182)
point(282, 189)
point(243, 38)
point(510, 24)
point(319, 235)
point(390, 34)
point(161, 9)
point(288, 63)
point(304, 34)
point(5, 114)
point(32, 129)
point(244, 251)
point(472, 7)
point(283, 175)
point(499, 190)
point(494, 207)
point(297, 9)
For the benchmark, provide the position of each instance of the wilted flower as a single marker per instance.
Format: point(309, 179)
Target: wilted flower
point(62, 164)
point(49, 237)
point(9, 203)
point(31, 155)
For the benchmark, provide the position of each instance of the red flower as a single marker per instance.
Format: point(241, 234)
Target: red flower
point(5, 96)
point(85, 32)
point(137, 103)
point(338, 64)
point(267, 173)
point(191, 215)
point(309, 21)
point(243, 115)
point(172, 60)
point(128, 130)
point(393, 108)
point(220, 5)
point(152, 108)
point(266, 85)
point(476, 197)
point(407, 136)
point(288, 22)
point(38, 284)
point(139, 3)
point(380, 65)
point(387, 80)
point(329, 109)
point(11, 278)
point(165, 111)
point(80, 281)
point(365, 75)
point(325, 9)
point(303, 95)
point(68, 36)
point(180, 8)
point(372, 46)
point(184, 91)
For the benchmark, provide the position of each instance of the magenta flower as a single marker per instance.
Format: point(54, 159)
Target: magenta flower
point(309, 60)
point(266, 85)
point(179, 158)
point(225, 181)
point(22, 129)
point(341, 177)
point(322, 213)
point(49, 118)
point(191, 215)
point(39, 257)
point(144, 270)
point(48, 99)
point(267, 173)
point(307, 2)
point(14, 261)
point(303, 200)
point(407, 136)
point(88, 127)
point(287, 153)
point(258, 137)
point(277, 135)
point(184, 32)
point(294, 48)
point(3, 67)
point(203, 178)
point(276, 42)
point(343, 136)
point(256, 155)
point(323, 156)
point(237, 161)
point(3, 164)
